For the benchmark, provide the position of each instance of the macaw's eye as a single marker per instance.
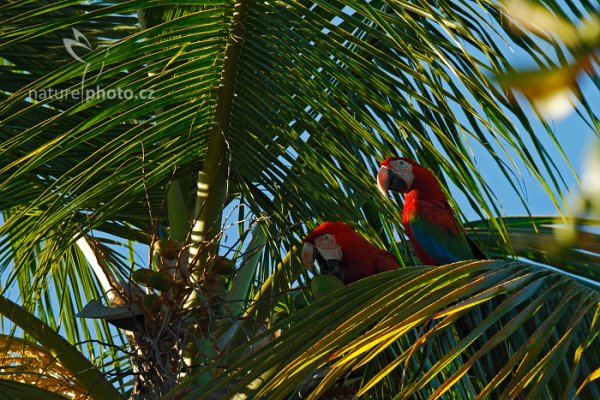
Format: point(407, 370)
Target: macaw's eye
point(329, 253)
point(326, 241)
point(328, 247)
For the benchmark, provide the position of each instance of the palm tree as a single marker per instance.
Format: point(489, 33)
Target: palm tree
point(216, 134)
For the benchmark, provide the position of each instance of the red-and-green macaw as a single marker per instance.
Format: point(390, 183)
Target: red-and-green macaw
point(340, 251)
point(433, 230)
point(429, 221)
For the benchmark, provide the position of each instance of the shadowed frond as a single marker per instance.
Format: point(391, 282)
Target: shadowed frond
point(396, 330)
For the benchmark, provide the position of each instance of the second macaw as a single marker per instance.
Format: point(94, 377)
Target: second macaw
point(428, 219)
point(436, 235)
point(340, 251)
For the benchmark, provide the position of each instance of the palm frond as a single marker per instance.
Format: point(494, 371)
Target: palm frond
point(79, 367)
point(34, 366)
point(320, 92)
point(407, 316)
point(573, 247)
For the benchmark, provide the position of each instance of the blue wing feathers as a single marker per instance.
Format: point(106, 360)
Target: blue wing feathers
point(445, 244)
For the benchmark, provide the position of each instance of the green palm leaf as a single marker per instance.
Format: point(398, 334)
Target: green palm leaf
point(389, 315)
point(279, 110)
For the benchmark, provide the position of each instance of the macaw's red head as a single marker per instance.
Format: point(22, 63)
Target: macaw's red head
point(322, 245)
point(402, 174)
point(339, 250)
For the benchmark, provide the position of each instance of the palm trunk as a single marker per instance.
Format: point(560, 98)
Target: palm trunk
point(213, 180)
point(158, 347)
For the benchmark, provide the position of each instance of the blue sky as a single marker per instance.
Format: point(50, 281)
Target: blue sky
point(575, 137)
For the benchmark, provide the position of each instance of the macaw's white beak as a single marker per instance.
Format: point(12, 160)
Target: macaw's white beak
point(383, 180)
point(308, 257)
point(390, 180)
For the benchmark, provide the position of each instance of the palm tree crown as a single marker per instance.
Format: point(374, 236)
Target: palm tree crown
point(232, 129)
